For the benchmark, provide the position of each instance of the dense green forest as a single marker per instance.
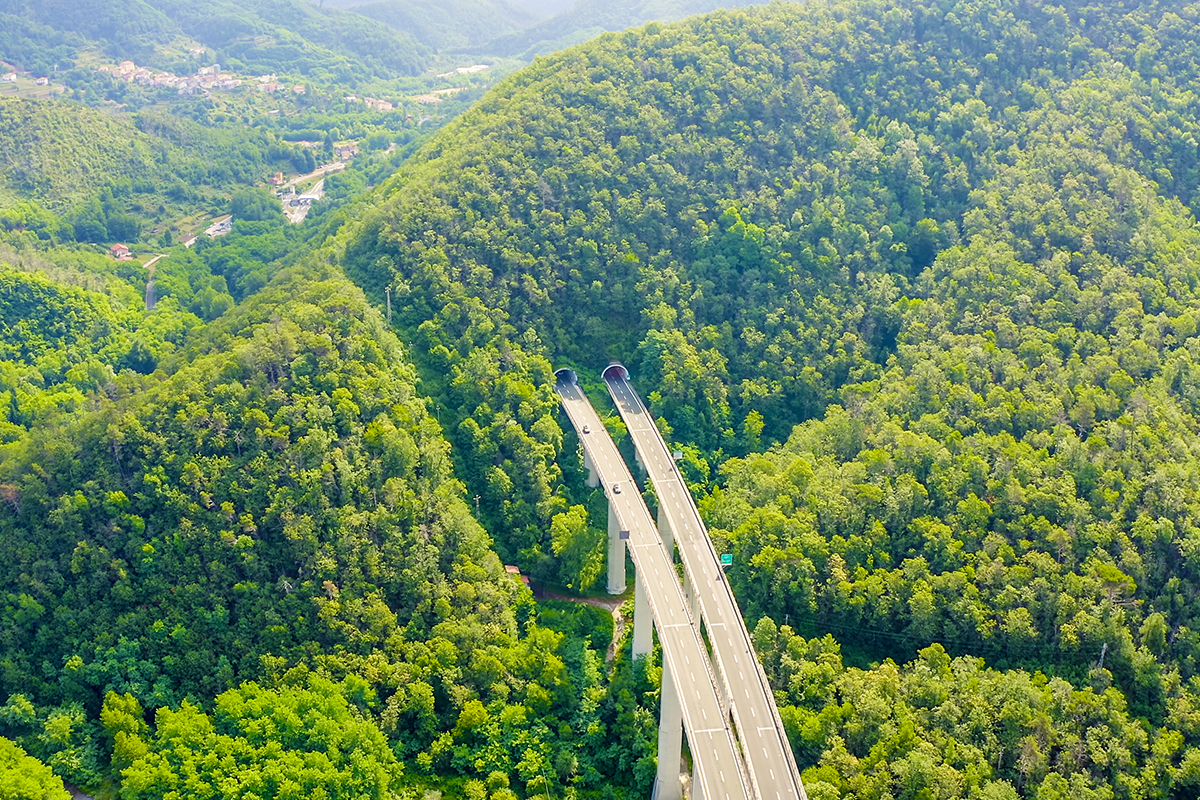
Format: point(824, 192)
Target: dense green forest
point(274, 504)
point(958, 239)
point(912, 285)
point(253, 35)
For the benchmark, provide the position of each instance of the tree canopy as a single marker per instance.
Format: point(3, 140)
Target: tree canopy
point(911, 285)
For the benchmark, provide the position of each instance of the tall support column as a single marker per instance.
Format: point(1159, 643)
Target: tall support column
point(689, 593)
point(670, 740)
point(665, 533)
point(616, 553)
point(697, 782)
point(593, 478)
point(643, 639)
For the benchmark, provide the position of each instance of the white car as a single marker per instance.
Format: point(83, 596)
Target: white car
point(616, 488)
point(586, 429)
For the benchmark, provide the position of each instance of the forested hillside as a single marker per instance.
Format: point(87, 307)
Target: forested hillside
point(255, 36)
point(446, 25)
point(60, 156)
point(275, 503)
point(957, 244)
point(913, 286)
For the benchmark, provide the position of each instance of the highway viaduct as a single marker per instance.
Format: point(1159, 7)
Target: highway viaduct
point(718, 692)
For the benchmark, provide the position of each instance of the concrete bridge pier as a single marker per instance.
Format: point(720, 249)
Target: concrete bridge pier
point(593, 478)
point(616, 552)
point(670, 740)
point(692, 596)
point(643, 619)
point(665, 533)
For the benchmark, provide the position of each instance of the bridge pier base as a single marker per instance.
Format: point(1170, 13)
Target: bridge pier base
point(593, 478)
point(643, 638)
point(616, 553)
point(670, 741)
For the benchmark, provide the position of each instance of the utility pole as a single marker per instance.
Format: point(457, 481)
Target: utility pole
point(388, 292)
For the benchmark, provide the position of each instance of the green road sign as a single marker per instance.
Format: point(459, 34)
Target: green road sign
point(726, 559)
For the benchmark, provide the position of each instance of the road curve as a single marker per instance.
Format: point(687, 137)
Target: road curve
point(719, 769)
point(772, 768)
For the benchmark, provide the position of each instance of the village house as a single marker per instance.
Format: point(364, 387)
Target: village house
point(120, 252)
point(516, 573)
point(378, 105)
point(42, 81)
point(10, 77)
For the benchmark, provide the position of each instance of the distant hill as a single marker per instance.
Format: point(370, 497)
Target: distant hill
point(449, 24)
point(342, 40)
point(279, 33)
point(520, 28)
point(536, 9)
point(58, 154)
point(261, 35)
point(92, 168)
point(589, 18)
